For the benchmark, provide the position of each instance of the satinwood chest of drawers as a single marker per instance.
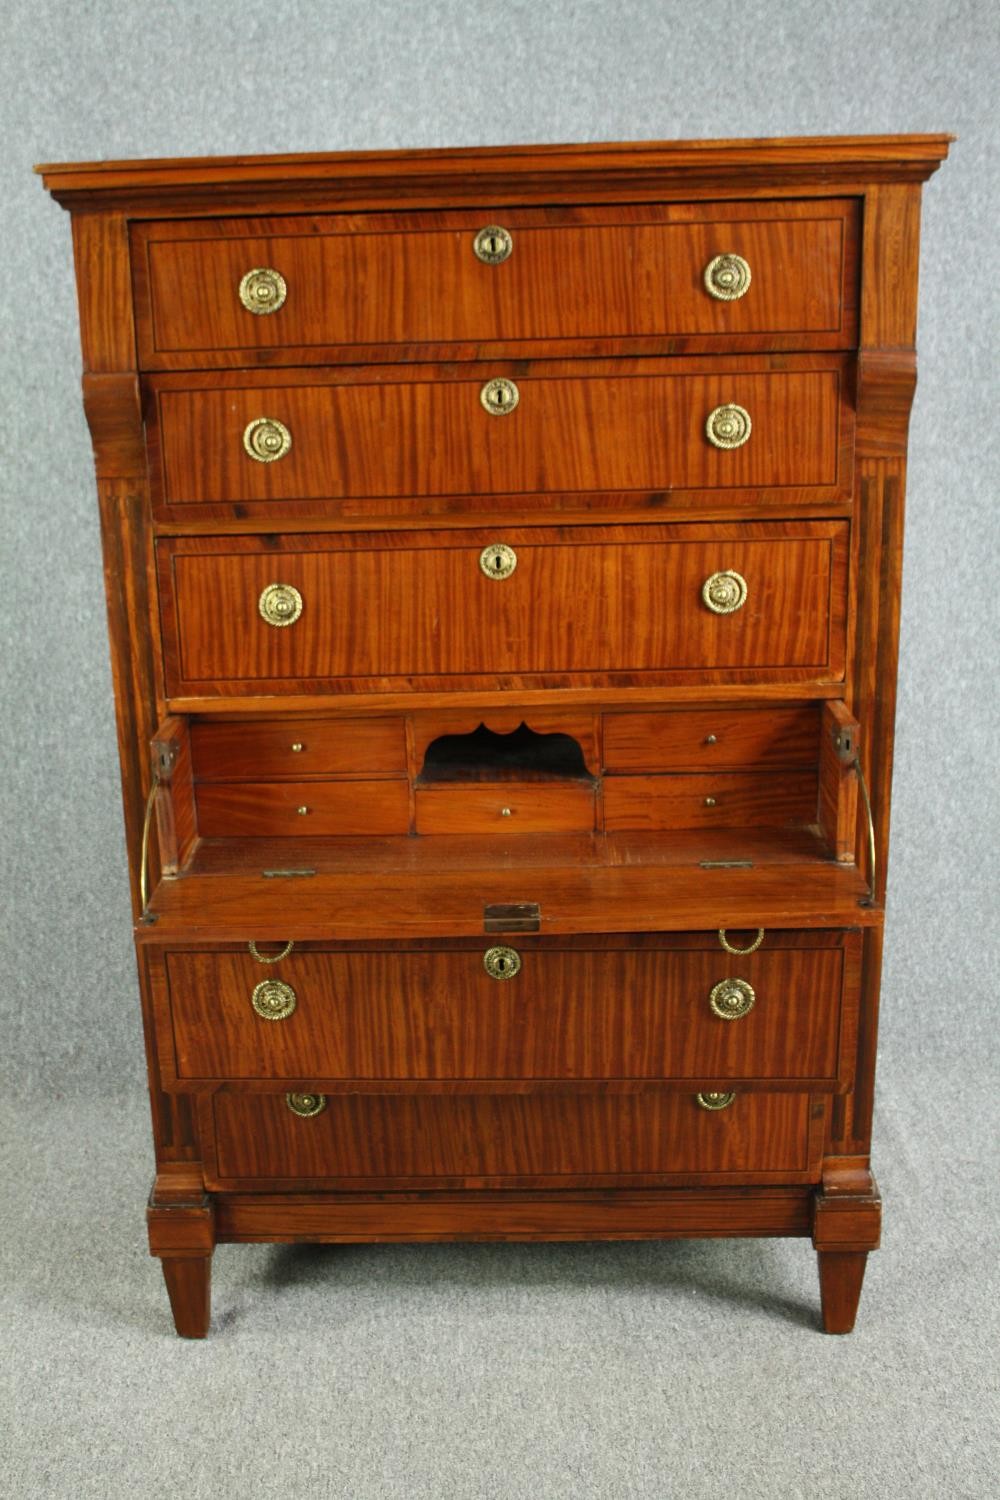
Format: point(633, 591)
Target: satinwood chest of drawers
point(502, 554)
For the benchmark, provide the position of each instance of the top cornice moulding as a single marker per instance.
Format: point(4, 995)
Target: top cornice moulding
point(524, 174)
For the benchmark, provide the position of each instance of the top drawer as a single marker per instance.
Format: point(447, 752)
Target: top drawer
point(412, 286)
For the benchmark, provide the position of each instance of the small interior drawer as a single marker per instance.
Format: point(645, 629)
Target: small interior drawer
point(296, 749)
point(506, 808)
point(717, 738)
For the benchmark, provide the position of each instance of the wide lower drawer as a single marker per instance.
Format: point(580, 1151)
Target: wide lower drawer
point(760, 602)
point(485, 433)
point(256, 1140)
point(506, 1013)
point(308, 284)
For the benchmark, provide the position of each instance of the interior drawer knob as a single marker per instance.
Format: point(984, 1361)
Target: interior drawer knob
point(493, 244)
point(306, 1106)
point(280, 604)
point(499, 397)
point(715, 1101)
point(728, 426)
point(732, 998)
point(725, 592)
point(263, 290)
point(727, 277)
point(498, 560)
point(502, 962)
point(273, 999)
point(266, 439)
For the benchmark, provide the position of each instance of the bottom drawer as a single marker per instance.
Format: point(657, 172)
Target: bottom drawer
point(521, 1140)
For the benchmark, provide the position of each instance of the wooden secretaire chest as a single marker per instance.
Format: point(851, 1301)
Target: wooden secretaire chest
point(502, 553)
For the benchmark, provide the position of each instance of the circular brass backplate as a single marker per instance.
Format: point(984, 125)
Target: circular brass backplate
point(306, 1106)
point(263, 290)
point(500, 396)
point(731, 998)
point(715, 1101)
point(266, 439)
point(728, 426)
point(502, 962)
point(725, 592)
point(498, 560)
point(280, 604)
point(727, 277)
point(493, 244)
point(273, 999)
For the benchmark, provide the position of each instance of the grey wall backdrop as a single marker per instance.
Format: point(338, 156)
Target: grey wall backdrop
point(116, 79)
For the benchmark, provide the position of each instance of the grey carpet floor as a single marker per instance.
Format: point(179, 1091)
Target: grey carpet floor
point(499, 1370)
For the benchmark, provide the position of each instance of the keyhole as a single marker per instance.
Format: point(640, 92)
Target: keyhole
point(498, 562)
point(501, 964)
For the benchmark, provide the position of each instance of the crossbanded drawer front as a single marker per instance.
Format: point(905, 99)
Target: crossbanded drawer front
point(389, 612)
point(568, 1013)
point(416, 435)
point(624, 273)
point(510, 1140)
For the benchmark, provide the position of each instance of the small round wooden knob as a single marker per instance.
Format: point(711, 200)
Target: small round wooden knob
point(493, 244)
point(498, 561)
point(273, 1000)
point(725, 592)
point(727, 277)
point(728, 426)
point(715, 1101)
point(306, 1106)
point(731, 998)
point(499, 396)
point(266, 439)
point(280, 604)
point(502, 962)
point(263, 290)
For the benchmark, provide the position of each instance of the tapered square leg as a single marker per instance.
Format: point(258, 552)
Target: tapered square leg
point(189, 1286)
point(841, 1273)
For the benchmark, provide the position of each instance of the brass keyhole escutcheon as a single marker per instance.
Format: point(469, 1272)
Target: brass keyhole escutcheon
point(498, 560)
point(273, 1000)
point(280, 604)
point(727, 277)
point(715, 1101)
point(731, 998)
point(266, 439)
point(502, 962)
point(725, 592)
point(500, 396)
point(728, 426)
point(263, 290)
point(493, 244)
point(306, 1106)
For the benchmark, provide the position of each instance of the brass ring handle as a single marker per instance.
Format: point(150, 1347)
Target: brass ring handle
point(306, 1106)
point(280, 604)
point(498, 560)
point(273, 958)
point(724, 593)
point(266, 439)
point(147, 824)
point(740, 952)
point(493, 244)
point(715, 1100)
point(273, 1000)
point(728, 426)
point(731, 999)
point(499, 396)
point(727, 277)
point(263, 290)
point(502, 962)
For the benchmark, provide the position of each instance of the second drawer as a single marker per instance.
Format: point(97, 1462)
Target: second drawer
point(513, 1012)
